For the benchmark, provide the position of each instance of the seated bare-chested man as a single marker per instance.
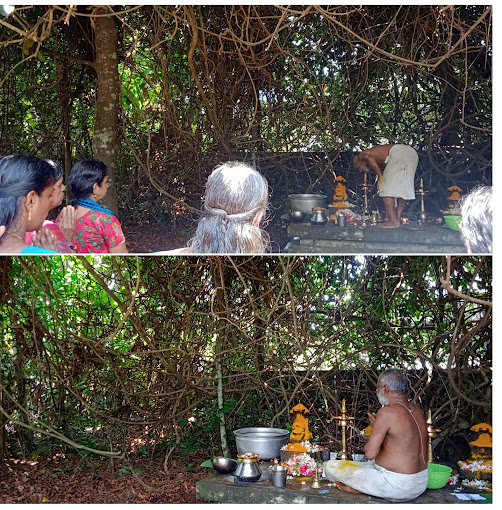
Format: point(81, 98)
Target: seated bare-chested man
point(396, 184)
point(396, 450)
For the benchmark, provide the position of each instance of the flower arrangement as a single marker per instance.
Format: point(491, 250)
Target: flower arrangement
point(301, 465)
point(482, 485)
point(477, 465)
point(307, 446)
point(351, 215)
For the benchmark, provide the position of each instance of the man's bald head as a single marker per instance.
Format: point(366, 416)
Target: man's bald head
point(360, 164)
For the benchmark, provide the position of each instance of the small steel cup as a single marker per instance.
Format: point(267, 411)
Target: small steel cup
point(341, 220)
point(278, 475)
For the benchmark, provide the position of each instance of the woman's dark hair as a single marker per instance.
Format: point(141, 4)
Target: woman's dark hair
point(58, 171)
point(83, 176)
point(19, 175)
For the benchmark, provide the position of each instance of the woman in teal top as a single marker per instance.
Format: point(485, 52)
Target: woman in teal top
point(26, 186)
point(35, 250)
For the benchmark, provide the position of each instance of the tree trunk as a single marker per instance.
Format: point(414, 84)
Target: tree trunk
point(24, 434)
point(219, 283)
point(223, 429)
point(64, 94)
point(107, 100)
point(3, 421)
point(5, 272)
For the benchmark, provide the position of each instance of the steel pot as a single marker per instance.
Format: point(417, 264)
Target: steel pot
point(265, 441)
point(306, 202)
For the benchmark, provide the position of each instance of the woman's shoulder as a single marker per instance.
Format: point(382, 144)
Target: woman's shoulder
point(178, 251)
point(93, 216)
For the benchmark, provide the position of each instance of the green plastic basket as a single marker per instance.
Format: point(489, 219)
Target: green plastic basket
point(438, 476)
point(453, 221)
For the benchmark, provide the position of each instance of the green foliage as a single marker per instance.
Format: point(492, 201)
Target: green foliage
point(263, 81)
point(127, 470)
point(111, 350)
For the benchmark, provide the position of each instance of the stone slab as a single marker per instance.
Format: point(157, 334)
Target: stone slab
point(226, 489)
point(408, 239)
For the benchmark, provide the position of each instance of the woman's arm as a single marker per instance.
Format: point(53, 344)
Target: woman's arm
point(121, 248)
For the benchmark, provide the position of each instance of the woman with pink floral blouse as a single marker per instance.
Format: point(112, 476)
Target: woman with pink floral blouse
point(98, 230)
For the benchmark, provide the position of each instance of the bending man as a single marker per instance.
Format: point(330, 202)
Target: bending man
point(396, 450)
point(397, 183)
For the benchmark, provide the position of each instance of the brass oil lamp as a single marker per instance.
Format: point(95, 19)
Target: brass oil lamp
point(343, 422)
point(365, 187)
point(431, 432)
point(316, 483)
point(421, 192)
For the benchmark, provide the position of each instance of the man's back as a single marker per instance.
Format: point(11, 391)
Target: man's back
point(404, 447)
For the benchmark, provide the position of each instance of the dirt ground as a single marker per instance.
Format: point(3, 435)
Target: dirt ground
point(71, 481)
point(149, 237)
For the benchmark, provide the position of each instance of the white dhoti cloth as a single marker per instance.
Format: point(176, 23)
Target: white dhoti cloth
point(399, 175)
point(375, 480)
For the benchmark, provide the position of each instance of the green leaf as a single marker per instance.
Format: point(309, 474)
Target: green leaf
point(27, 45)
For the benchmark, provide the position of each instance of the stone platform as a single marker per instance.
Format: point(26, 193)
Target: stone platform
point(408, 239)
point(226, 489)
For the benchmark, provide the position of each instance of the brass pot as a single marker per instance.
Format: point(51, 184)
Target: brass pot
point(319, 217)
point(248, 469)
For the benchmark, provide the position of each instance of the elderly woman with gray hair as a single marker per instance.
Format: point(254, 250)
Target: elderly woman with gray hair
point(235, 203)
point(476, 226)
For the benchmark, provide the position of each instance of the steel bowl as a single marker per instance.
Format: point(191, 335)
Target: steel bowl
point(306, 202)
point(265, 441)
point(297, 216)
point(223, 465)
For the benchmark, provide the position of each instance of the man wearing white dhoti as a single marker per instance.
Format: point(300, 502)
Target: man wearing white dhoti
point(396, 184)
point(396, 450)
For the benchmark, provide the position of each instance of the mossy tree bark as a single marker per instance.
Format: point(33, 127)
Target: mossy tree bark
point(107, 99)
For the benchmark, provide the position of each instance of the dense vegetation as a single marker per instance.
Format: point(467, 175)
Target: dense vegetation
point(296, 90)
point(170, 355)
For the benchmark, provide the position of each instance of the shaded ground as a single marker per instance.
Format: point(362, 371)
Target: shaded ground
point(61, 480)
point(152, 235)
